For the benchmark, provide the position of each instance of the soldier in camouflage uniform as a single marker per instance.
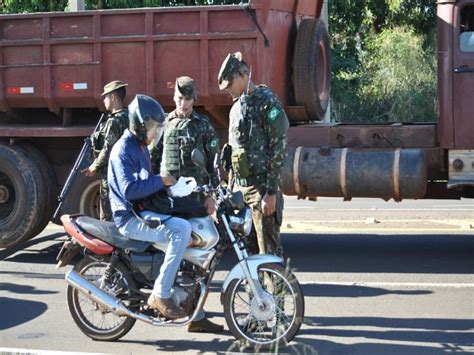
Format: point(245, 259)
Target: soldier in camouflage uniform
point(105, 137)
point(256, 151)
point(185, 130)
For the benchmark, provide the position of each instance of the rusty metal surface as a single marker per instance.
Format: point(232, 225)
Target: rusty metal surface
point(445, 64)
point(11, 131)
point(364, 136)
point(463, 77)
point(60, 60)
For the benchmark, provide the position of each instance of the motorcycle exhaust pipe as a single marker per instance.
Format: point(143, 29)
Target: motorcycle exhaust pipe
point(115, 306)
point(97, 295)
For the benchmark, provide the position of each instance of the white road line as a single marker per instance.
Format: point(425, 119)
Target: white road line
point(44, 352)
point(378, 209)
point(393, 284)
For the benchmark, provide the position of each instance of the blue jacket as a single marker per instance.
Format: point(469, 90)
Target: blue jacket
point(129, 176)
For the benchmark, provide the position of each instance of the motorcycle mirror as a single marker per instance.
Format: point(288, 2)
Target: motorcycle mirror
point(198, 158)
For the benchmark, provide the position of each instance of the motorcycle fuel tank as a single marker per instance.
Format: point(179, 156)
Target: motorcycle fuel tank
point(204, 232)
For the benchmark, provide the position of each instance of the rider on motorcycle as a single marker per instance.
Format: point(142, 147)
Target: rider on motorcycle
point(130, 178)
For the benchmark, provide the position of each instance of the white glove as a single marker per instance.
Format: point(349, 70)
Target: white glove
point(183, 187)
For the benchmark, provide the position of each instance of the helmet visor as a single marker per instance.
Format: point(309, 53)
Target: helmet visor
point(154, 131)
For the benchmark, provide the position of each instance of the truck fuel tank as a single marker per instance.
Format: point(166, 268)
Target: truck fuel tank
point(348, 172)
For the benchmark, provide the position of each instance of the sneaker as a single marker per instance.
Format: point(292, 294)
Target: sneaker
point(166, 307)
point(204, 326)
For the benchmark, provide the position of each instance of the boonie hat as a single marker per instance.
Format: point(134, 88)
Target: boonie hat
point(229, 68)
point(185, 85)
point(112, 86)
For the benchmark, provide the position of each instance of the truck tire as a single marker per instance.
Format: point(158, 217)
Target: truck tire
point(311, 68)
point(83, 197)
point(49, 182)
point(22, 196)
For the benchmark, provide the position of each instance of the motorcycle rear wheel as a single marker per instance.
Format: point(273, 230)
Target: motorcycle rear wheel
point(93, 320)
point(257, 329)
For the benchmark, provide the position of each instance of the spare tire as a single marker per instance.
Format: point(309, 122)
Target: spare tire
point(22, 196)
point(311, 68)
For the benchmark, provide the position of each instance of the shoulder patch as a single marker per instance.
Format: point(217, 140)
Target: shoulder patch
point(273, 113)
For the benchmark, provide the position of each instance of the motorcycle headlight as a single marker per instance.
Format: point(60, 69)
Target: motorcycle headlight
point(242, 222)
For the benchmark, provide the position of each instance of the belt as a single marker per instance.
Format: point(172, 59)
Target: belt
point(250, 180)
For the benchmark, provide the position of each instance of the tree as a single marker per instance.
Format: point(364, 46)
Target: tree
point(19, 6)
point(355, 27)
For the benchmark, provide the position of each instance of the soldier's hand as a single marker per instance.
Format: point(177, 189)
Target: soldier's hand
point(268, 204)
point(88, 171)
point(167, 179)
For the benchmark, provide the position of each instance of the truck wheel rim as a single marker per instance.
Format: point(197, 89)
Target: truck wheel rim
point(7, 196)
point(322, 78)
point(90, 200)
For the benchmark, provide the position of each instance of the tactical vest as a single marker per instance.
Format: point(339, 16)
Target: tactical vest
point(98, 138)
point(181, 136)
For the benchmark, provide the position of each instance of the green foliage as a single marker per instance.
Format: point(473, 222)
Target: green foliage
point(383, 60)
point(19, 6)
point(399, 81)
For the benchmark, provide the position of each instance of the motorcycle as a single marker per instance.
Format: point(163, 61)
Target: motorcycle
point(109, 286)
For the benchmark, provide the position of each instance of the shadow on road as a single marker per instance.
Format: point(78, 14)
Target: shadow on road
point(26, 253)
point(422, 336)
point(411, 254)
point(15, 311)
point(452, 333)
point(431, 254)
point(325, 290)
point(23, 289)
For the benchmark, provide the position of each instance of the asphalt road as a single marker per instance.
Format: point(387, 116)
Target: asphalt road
point(372, 285)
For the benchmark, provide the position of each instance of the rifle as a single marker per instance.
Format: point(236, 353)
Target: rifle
point(83, 154)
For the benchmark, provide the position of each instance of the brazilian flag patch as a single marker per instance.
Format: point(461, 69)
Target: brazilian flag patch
point(273, 114)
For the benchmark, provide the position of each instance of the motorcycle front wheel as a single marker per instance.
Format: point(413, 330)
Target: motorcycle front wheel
point(274, 325)
point(94, 320)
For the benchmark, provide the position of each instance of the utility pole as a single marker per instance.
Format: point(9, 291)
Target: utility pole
point(77, 5)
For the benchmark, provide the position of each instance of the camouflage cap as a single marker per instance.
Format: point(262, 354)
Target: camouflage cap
point(229, 68)
point(112, 86)
point(185, 86)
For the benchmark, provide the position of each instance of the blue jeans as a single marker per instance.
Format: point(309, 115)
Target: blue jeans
point(175, 232)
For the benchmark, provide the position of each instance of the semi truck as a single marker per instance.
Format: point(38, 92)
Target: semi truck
point(54, 65)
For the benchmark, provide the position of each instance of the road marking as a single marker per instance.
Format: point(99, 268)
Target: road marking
point(43, 352)
point(373, 209)
point(392, 284)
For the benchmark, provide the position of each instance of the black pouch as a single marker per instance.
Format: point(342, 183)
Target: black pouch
point(185, 207)
point(226, 156)
point(240, 163)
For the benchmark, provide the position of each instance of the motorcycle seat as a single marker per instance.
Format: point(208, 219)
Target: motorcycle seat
point(108, 232)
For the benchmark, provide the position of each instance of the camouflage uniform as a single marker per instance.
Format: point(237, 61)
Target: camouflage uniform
point(103, 140)
point(258, 129)
point(181, 136)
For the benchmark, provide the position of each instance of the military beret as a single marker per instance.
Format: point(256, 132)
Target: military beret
point(185, 86)
point(229, 68)
point(112, 86)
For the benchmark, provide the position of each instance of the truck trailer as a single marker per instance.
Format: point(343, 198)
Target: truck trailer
point(54, 65)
